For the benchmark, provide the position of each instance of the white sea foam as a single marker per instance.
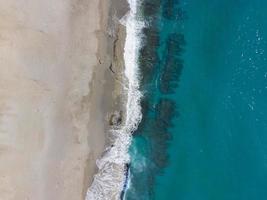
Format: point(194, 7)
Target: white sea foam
point(108, 182)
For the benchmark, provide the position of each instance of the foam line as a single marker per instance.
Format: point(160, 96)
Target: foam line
point(109, 181)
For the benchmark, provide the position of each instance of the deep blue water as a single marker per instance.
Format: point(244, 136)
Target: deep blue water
point(204, 130)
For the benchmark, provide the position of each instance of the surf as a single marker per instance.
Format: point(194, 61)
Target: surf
point(110, 179)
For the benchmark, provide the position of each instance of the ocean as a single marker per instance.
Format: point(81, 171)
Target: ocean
point(203, 76)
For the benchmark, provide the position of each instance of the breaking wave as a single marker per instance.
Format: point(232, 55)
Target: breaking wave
point(109, 182)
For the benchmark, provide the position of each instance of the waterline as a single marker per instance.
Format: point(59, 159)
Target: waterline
point(108, 183)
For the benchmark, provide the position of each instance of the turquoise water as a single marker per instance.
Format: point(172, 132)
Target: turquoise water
point(204, 134)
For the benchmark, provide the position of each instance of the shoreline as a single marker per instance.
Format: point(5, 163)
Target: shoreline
point(107, 94)
point(109, 181)
point(111, 37)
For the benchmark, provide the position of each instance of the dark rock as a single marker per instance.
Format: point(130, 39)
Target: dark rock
point(115, 119)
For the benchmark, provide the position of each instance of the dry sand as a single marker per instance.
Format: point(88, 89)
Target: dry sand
point(49, 53)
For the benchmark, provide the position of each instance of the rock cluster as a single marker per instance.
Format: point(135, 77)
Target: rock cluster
point(115, 118)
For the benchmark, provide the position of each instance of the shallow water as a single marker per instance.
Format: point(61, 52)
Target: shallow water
point(204, 128)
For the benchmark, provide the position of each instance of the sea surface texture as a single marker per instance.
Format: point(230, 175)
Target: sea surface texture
point(203, 134)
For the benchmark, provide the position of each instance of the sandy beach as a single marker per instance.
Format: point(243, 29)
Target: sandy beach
point(56, 90)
